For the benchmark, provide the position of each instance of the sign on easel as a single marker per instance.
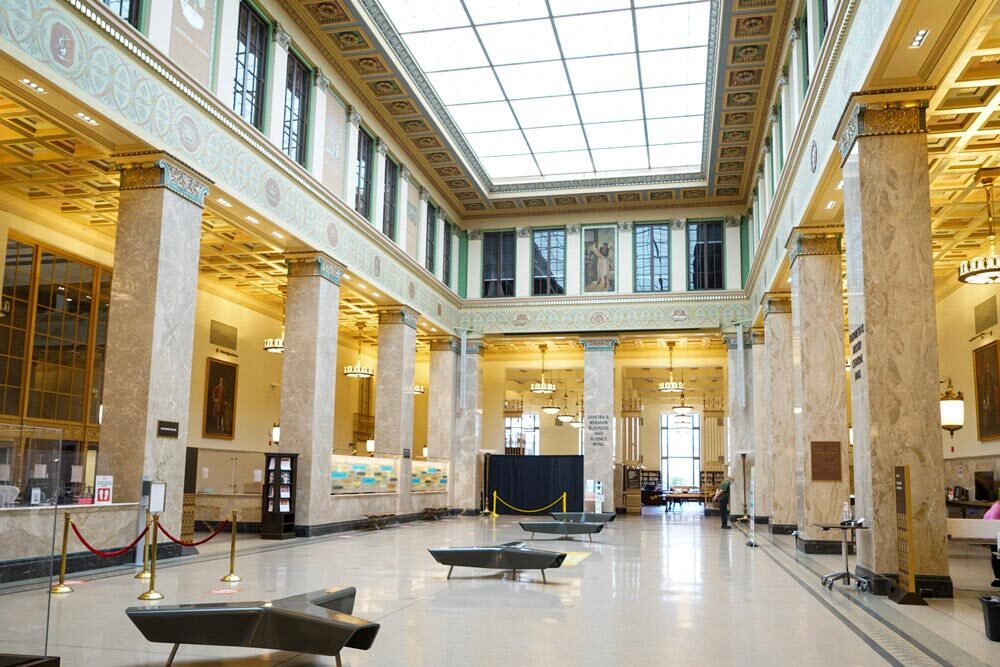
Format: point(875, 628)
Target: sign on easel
point(905, 591)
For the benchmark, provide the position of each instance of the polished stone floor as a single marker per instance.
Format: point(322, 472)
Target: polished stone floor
point(666, 589)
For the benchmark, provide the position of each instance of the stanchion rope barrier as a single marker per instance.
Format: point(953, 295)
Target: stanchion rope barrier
point(496, 497)
point(106, 554)
point(173, 539)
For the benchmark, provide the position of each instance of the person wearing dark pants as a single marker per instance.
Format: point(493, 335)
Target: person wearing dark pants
point(722, 497)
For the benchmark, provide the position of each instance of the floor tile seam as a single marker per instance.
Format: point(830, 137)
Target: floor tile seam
point(905, 635)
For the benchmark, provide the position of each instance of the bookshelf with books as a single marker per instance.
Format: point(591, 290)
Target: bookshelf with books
point(710, 481)
point(277, 511)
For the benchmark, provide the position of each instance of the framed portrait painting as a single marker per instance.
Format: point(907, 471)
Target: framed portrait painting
point(220, 400)
point(599, 258)
point(986, 364)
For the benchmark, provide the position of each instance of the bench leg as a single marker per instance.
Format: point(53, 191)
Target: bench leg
point(173, 652)
point(590, 537)
point(544, 580)
point(339, 663)
point(449, 571)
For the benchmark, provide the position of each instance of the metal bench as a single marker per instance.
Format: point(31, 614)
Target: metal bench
point(319, 623)
point(511, 556)
point(563, 528)
point(379, 521)
point(585, 517)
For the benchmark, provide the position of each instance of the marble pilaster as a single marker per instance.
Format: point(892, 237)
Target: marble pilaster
point(402, 201)
point(397, 350)
point(894, 353)
point(378, 185)
point(464, 482)
point(308, 382)
point(761, 440)
point(277, 81)
point(780, 412)
point(731, 253)
point(599, 414)
point(818, 381)
point(422, 227)
point(678, 256)
point(151, 328)
point(524, 254)
point(442, 415)
point(351, 172)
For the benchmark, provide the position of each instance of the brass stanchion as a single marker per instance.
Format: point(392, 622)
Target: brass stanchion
point(232, 577)
point(152, 593)
point(61, 587)
point(145, 551)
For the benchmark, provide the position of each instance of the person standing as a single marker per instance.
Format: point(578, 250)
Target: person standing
point(722, 497)
point(993, 513)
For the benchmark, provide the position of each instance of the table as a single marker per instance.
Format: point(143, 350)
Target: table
point(671, 499)
point(828, 579)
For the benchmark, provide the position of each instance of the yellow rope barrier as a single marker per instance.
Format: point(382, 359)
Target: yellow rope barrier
point(497, 498)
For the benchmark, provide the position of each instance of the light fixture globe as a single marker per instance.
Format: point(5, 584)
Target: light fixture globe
point(565, 417)
point(551, 409)
point(359, 370)
point(577, 422)
point(952, 410)
point(543, 387)
point(984, 270)
point(683, 408)
point(671, 386)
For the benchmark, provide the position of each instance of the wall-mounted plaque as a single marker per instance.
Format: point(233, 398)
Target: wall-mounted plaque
point(825, 458)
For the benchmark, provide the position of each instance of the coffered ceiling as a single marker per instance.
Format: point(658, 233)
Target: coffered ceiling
point(415, 84)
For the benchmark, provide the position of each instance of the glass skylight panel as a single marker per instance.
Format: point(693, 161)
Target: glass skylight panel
point(492, 11)
point(675, 156)
point(549, 139)
point(675, 130)
point(567, 162)
point(483, 117)
point(546, 111)
point(466, 85)
point(533, 80)
point(593, 75)
point(511, 166)
point(672, 68)
point(435, 50)
point(613, 135)
point(564, 7)
point(521, 42)
point(675, 101)
point(620, 159)
point(491, 144)
point(672, 26)
point(600, 107)
point(409, 16)
point(596, 34)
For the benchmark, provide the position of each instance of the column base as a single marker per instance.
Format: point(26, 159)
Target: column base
point(927, 585)
point(783, 528)
point(821, 546)
point(318, 530)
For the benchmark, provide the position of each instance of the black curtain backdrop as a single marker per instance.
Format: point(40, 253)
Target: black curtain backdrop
point(530, 482)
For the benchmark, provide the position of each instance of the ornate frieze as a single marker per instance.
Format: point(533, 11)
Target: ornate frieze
point(814, 243)
point(447, 344)
point(314, 264)
point(164, 173)
point(601, 344)
point(776, 303)
point(398, 314)
point(891, 118)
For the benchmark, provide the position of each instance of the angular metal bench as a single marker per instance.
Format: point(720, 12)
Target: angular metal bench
point(380, 520)
point(511, 556)
point(435, 512)
point(585, 517)
point(319, 623)
point(564, 528)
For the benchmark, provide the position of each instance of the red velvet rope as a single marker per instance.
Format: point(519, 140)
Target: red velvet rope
point(194, 544)
point(105, 554)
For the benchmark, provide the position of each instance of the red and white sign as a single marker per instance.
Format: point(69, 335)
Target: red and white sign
point(103, 485)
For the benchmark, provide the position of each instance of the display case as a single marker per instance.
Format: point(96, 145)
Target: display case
point(277, 512)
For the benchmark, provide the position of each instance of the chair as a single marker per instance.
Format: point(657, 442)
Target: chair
point(8, 494)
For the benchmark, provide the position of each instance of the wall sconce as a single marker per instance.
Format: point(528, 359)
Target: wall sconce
point(275, 434)
point(370, 447)
point(952, 409)
point(425, 452)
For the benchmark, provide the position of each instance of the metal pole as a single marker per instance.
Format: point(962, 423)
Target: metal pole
point(61, 587)
point(145, 550)
point(152, 593)
point(232, 577)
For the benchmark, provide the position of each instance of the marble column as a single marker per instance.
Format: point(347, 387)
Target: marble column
point(308, 383)
point(780, 412)
point(678, 256)
point(442, 414)
point(151, 329)
point(761, 440)
point(440, 229)
point(465, 483)
point(894, 351)
point(599, 414)
point(819, 385)
point(397, 351)
point(321, 92)
point(741, 424)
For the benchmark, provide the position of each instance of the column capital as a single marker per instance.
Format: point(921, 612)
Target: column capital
point(353, 117)
point(404, 172)
point(775, 113)
point(732, 340)
point(522, 232)
point(678, 224)
point(757, 336)
point(398, 314)
point(473, 346)
point(475, 235)
point(625, 226)
point(783, 76)
point(776, 302)
point(879, 113)
point(572, 230)
point(382, 149)
point(424, 196)
point(281, 36)
point(599, 344)
point(155, 169)
point(821, 241)
point(796, 30)
point(732, 221)
point(314, 264)
point(446, 344)
point(323, 83)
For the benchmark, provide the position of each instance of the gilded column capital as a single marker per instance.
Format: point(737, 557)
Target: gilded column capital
point(802, 243)
point(151, 170)
point(599, 344)
point(879, 119)
point(398, 314)
point(446, 344)
point(776, 303)
point(314, 264)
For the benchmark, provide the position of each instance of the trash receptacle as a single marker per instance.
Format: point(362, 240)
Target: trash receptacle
point(991, 616)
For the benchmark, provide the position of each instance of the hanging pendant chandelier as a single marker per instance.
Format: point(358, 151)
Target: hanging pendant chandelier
point(683, 408)
point(577, 421)
point(359, 370)
point(551, 408)
point(984, 270)
point(543, 387)
point(671, 386)
point(563, 415)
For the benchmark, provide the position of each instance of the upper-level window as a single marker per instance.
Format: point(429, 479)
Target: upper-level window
point(652, 258)
point(499, 250)
point(365, 174)
point(391, 192)
point(293, 132)
point(127, 9)
point(548, 262)
point(430, 234)
point(705, 267)
point(446, 254)
point(251, 66)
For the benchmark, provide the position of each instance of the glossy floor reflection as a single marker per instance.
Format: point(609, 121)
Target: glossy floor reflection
point(669, 589)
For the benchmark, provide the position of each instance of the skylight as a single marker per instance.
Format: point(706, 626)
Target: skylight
point(556, 90)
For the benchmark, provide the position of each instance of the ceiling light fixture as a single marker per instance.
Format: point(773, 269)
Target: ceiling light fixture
point(840, 185)
point(542, 387)
point(34, 86)
point(276, 234)
point(670, 386)
point(85, 118)
point(359, 370)
point(551, 408)
point(418, 389)
point(252, 219)
point(918, 39)
point(577, 421)
point(275, 345)
point(984, 270)
point(224, 202)
point(830, 204)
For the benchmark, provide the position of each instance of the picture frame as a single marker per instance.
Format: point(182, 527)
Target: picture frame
point(986, 366)
point(221, 384)
point(599, 258)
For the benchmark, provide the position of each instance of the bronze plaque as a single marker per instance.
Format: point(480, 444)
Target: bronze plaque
point(825, 457)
